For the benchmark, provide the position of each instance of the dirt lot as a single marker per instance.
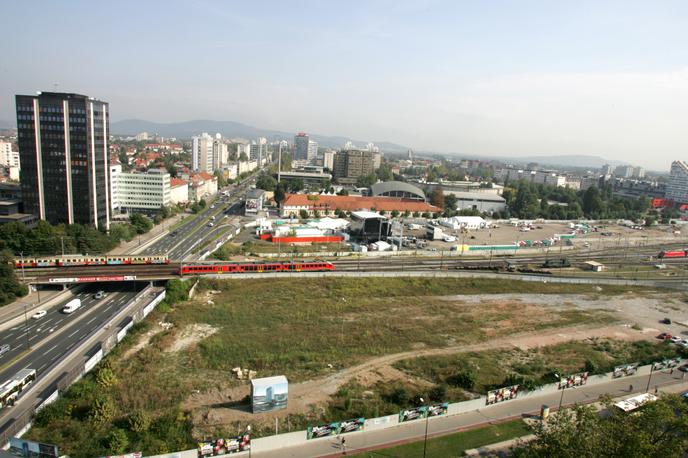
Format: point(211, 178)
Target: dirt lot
point(224, 406)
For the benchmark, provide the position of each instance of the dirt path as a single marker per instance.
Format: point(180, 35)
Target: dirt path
point(302, 396)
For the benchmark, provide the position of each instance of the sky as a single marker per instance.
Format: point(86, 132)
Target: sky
point(508, 78)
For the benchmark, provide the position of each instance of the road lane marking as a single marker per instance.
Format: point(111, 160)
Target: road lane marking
point(73, 333)
point(92, 319)
point(51, 349)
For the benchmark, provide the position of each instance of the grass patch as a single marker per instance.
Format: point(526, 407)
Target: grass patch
point(454, 445)
point(496, 368)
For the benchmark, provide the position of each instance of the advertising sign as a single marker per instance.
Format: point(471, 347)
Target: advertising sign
point(625, 370)
point(573, 380)
point(24, 448)
point(666, 364)
point(269, 393)
point(330, 429)
point(128, 455)
point(216, 447)
point(350, 426)
point(436, 410)
point(413, 414)
point(501, 394)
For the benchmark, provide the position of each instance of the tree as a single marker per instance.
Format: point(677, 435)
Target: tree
point(10, 288)
point(117, 441)
point(303, 214)
point(384, 173)
point(141, 223)
point(221, 180)
point(451, 202)
point(296, 185)
point(343, 192)
point(659, 428)
point(266, 182)
point(243, 157)
point(437, 197)
point(280, 192)
point(366, 181)
point(592, 202)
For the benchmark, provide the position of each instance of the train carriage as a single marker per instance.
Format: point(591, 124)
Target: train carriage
point(80, 261)
point(255, 267)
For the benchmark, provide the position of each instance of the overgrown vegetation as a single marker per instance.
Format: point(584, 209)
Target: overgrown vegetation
point(657, 429)
point(482, 371)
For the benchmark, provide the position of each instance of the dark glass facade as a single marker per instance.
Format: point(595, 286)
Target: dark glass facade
point(63, 139)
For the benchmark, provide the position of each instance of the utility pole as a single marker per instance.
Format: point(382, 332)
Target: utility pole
point(279, 162)
point(22, 266)
point(62, 242)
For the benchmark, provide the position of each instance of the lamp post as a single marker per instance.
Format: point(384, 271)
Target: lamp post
point(652, 367)
point(561, 399)
point(427, 419)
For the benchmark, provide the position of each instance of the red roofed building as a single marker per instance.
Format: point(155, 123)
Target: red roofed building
point(327, 205)
point(202, 184)
point(179, 191)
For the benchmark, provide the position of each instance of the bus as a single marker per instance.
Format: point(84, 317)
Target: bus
point(10, 390)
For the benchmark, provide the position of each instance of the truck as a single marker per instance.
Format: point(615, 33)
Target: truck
point(72, 306)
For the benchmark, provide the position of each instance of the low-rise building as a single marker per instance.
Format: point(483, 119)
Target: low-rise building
point(202, 184)
point(179, 191)
point(255, 199)
point(327, 205)
point(139, 191)
point(483, 202)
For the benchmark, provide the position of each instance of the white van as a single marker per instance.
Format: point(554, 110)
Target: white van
point(72, 306)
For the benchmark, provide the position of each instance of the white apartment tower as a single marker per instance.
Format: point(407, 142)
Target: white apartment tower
point(677, 188)
point(202, 153)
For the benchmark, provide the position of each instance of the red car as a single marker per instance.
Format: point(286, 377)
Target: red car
point(664, 336)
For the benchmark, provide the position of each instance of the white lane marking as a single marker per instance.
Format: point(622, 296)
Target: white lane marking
point(41, 368)
point(9, 335)
point(15, 328)
point(73, 333)
point(91, 320)
point(51, 349)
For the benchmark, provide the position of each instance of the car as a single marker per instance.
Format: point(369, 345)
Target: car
point(449, 238)
point(212, 206)
point(676, 339)
point(39, 314)
point(99, 295)
point(664, 336)
point(683, 343)
point(683, 368)
point(666, 321)
point(4, 349)
point(211, 224)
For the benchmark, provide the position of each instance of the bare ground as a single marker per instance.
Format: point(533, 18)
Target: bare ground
point(223, 405)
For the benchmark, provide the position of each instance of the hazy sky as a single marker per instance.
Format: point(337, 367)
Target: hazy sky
point(516, 78)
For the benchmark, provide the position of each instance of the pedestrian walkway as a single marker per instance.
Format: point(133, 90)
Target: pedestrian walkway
point(518, 408)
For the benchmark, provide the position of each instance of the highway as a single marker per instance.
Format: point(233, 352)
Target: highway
point(59, 331)
point(180, 241)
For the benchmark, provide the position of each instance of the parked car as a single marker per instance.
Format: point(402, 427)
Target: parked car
point(666, 320)
point(39, 314)
point(676, 339)
point(664, 336)
point(4, 349)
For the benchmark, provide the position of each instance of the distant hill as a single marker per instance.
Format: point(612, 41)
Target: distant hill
point(230, 129)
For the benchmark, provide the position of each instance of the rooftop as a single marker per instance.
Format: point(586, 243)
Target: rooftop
point(354, 203)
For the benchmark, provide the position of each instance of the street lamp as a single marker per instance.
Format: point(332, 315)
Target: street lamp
point(561, 399)
point(427, 419)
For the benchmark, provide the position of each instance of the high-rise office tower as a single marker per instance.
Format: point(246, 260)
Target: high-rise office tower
point(677, 188)
point(312, 150)
point(301, 146)
point(63, 148)
point(351, 164)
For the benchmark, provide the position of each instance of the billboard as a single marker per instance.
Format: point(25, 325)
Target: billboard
point(573, 380)
point(338, 427)
point(24, 448)
point(666, 364)
point(329, 429)
point(269, 393)
point(223, 446)
point(413, 414)
point(501, 394)
point(435, 410)
point(625, 370)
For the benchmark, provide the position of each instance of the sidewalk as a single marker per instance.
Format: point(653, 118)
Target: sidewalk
point(518, 408)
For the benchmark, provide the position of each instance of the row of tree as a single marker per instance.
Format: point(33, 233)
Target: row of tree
point(530, 200)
